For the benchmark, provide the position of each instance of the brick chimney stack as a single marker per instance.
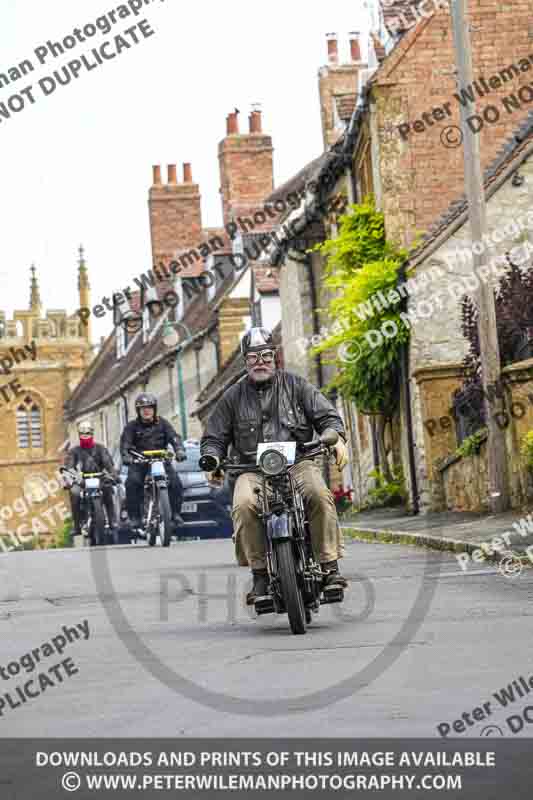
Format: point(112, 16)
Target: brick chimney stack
point(175, 214)
point(355, 46)
point(255, 122)
point(172, 174)
point(246, 168)
point(232, 123)
point(333, 48)
point(338, 87)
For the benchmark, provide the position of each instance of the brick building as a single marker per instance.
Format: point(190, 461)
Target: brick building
point(417, 174)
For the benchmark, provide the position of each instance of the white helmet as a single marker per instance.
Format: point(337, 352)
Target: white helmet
point(85, 428)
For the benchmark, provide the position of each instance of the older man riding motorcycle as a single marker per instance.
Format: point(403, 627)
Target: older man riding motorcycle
point(271, 405)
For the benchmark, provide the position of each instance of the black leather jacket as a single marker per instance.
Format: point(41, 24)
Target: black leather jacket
point(93, 459)
point(287, 408)
point(154, 436)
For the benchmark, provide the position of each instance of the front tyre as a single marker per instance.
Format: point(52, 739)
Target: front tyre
point(97, 522)
point(292, 594)
point(166, 517)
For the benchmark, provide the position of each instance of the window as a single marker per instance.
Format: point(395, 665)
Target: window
point(29, 429)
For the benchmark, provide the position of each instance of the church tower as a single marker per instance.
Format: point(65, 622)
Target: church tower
point(43, 356)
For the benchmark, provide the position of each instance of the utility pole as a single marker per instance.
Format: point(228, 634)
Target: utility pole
point(488, 335)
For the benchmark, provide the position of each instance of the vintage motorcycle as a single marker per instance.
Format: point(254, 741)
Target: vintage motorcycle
point(93, 518)
point(157, 516)
point(295, 578)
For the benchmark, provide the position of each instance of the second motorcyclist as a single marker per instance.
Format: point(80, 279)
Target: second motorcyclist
point(150, 432)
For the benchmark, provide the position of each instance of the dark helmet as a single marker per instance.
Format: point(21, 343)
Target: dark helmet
point(146, 401)
point(256, 339)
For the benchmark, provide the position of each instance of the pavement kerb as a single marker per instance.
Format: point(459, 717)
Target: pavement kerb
point(442, 543)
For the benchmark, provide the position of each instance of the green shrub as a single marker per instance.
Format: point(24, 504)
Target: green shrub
point(63, 538)
point(472, 444)
point(387, 493)
point(526, 451)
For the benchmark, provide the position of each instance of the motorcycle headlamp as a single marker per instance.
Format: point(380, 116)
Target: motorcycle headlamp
point(272, 462)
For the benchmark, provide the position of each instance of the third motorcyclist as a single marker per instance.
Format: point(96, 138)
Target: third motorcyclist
point(90, 457)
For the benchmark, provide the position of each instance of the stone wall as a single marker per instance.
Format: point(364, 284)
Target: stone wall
point(464, 483)
point(461, 483)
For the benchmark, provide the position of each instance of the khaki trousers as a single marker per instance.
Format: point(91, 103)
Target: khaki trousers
point(326, 536)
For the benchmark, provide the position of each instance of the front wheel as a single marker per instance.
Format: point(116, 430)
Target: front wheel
point(97, 522)
point(292, 594)
point(166, 517)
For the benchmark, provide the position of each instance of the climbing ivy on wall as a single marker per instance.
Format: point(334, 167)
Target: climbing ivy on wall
point(360, 263)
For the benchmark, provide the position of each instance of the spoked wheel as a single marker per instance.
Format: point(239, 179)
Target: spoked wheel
point(97, 522)
point(292, 594)
point(166, 518)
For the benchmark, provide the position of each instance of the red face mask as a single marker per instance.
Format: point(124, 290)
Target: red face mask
point(87, 443)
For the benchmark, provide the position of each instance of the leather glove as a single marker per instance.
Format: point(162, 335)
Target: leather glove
point(341, 454)
point(181, 455)
point(217, 476)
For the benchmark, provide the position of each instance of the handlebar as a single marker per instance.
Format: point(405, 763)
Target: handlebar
point(150, 455)
point(311, 449)
point(77, 478)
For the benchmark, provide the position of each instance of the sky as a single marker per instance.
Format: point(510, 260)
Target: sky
point(76, 166)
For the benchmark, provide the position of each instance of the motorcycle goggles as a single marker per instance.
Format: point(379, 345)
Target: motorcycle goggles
point(266, 356)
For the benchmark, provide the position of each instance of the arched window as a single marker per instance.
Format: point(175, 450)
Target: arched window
point(29, 427)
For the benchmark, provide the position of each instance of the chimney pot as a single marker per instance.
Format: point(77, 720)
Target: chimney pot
point(255, 122)
point(333, 48)
point(355, 46)
point(187, 173)
point(233, 123)
point(171, 172)
point(157, 175)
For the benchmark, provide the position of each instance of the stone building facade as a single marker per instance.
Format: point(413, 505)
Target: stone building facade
point(443, 267)
point(49, 352)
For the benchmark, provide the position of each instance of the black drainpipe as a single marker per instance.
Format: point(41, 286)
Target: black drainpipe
point(125, 401)
point(408, 412)
point(316, 326)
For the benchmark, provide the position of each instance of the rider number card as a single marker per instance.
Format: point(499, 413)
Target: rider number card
point(288, 449)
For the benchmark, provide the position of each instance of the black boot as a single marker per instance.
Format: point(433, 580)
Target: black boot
point(333, 578)
point(260, 588)
point(135, 520)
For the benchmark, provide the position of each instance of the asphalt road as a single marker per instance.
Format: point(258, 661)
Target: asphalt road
point(417, 643)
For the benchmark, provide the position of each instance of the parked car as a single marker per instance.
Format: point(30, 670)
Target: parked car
point(205, 510)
